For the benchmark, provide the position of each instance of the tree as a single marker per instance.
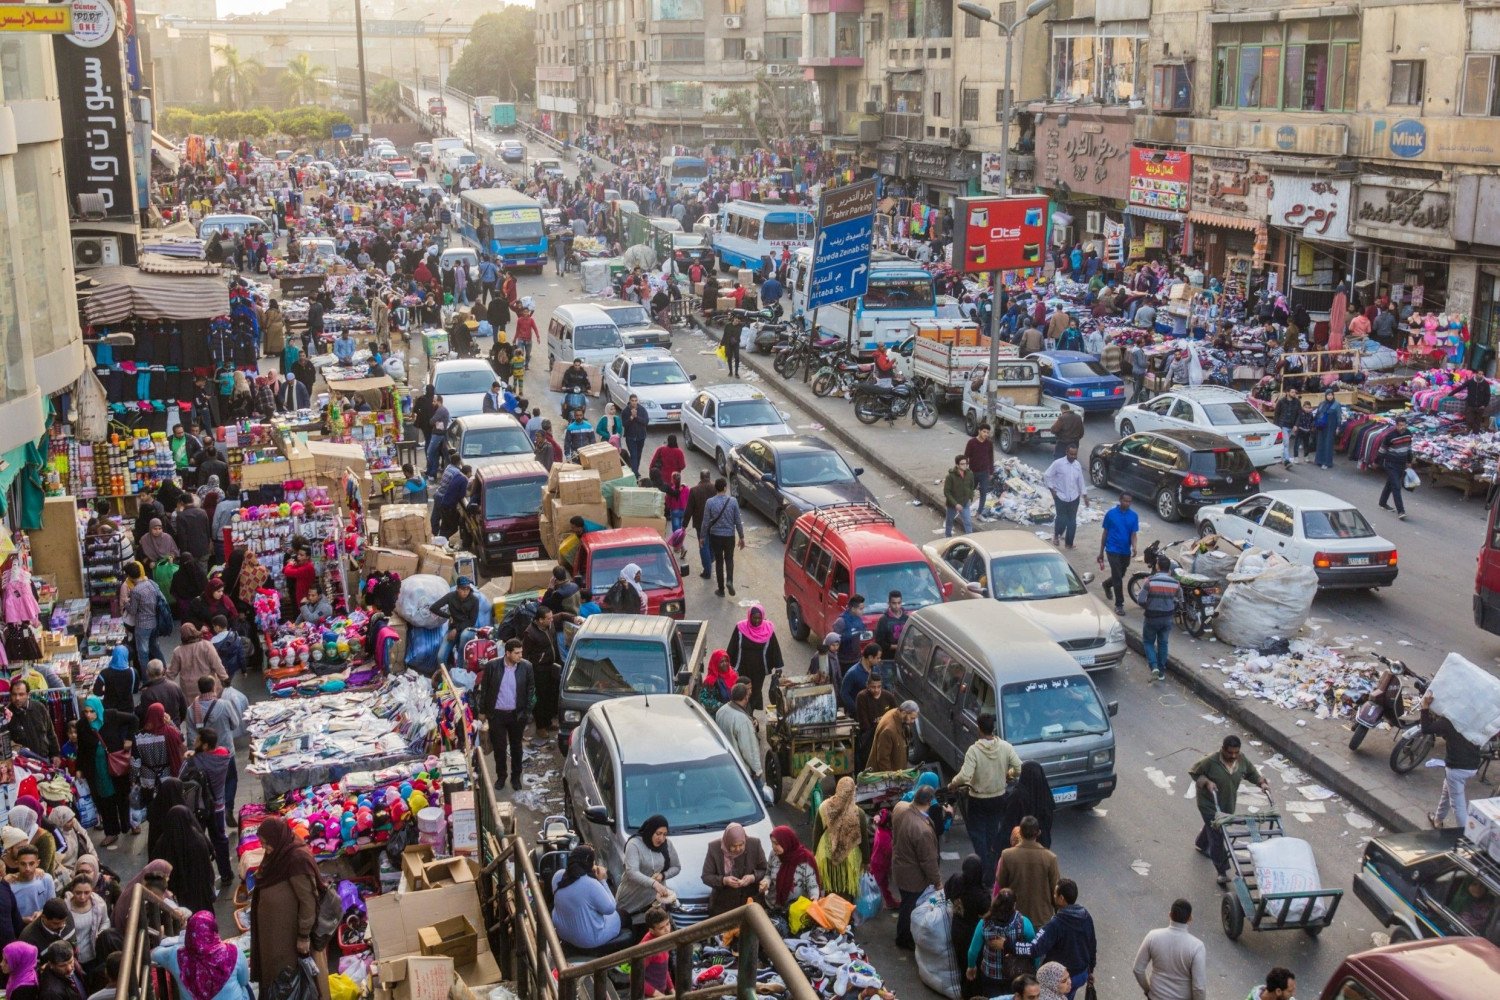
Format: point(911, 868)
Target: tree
point(500, 57)
point(236, 79)
point(776, 109)
point(302, 81)
point(385, 101)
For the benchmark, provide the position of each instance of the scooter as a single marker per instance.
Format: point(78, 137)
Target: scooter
point(1200, 594)
point(876, 399)
point(838, 376)
point(1386, 702)
point(574, 399)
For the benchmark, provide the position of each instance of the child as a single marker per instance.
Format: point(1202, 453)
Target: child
point(415, 487)
point(31, 886)
point(587, 605)
point(1306, 431)
point(518, 365)
point(880, 857)
point(656, 970)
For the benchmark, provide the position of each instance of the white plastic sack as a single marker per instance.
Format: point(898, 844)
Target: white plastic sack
point(1286, 864)
point(1215, 564)
point(1273, 604)
point(595, 276)
point(1195, 365)
point(932, 930)
point(417, 594)
point(1412, 480)
point(1468, 697)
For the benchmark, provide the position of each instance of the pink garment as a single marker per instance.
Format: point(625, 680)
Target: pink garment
point(18, 601)
point(880, 864)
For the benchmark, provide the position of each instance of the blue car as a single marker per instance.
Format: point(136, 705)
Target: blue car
point(1079, 379)
point(511, 151)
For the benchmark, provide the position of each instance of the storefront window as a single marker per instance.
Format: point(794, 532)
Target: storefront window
point(23, 75)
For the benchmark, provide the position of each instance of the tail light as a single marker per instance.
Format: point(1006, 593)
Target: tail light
point(1323, 560)
point(1255, 478)
point(1118, 390)
point(1195, 481)
point(1280, 438)
point(1391, 558)
point(1074, 393)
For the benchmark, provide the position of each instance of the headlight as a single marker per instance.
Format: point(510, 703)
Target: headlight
point(1101, 758)
point(1116, 632)
point(571, 716)
point(651, 404)
point(671, 607)
point(499, 536)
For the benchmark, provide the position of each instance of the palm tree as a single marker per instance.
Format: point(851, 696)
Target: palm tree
point(235, 80)
point(385, 101)
point(301, 80)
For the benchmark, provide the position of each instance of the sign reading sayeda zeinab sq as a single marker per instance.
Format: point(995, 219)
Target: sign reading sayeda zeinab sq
point(95, 109)
point(841, 250)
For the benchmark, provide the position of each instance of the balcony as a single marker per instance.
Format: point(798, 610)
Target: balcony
point(904, 125)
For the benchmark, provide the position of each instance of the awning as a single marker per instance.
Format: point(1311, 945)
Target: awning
point(123, 293)
point(361, 384)
point(165, 152)
point(1224, 221)
point(1159, 214)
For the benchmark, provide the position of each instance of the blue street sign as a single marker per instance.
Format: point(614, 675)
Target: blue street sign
point(343, 131)
point(841, 250)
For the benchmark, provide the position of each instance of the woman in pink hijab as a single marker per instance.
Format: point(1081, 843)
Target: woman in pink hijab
point(206, 967)
point(754, 652)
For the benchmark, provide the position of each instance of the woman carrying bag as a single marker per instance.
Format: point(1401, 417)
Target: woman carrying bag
point(105, 744)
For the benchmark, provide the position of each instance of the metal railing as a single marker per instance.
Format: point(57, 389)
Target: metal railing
point(150, 920)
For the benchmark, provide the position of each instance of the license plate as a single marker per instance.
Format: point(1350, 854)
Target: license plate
point(1209, 600)
point(1084, 659)
point(528, 554)
point(1358, 560)
point(674, 414)
point(1068, 793)
point(1253, 439)
point(1095, 393)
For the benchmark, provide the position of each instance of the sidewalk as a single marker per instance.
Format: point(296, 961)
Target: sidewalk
point(921, 458)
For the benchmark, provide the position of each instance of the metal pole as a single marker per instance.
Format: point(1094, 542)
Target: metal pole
point(991, 403)
point(359, 40)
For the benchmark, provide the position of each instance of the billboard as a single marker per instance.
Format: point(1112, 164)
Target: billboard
point(1161, 179)
point(95, 110)
point(1000, 234)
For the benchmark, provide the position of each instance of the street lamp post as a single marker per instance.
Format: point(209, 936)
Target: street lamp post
point(1009, 31)
point(364, 92)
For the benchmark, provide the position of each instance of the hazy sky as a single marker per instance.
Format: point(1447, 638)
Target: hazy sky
point(261, 6)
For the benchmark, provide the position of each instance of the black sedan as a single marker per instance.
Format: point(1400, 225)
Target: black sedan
point(785, 476)
point(1179, 471)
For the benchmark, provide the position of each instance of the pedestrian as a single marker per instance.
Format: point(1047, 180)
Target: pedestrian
point(58, 978)
point(187, 849)
point(722, 523)
point(841, 838)
point(1461, 760)
point(583, 909)
point(1328, 418)
point(1395, 456)
point(159, 691)
point(636, 422)
point(1280, 984)
point(698, 498)
point(212, 764)
point(1306, 432)
point(1139, 367)
point(914, 859)
point(195, 657)
point(1066, 430)
point(505, 693)
point(734, 866)
point(870, 706)
point(1068, 938)
point(1218, 777)
point(1053, 981)
point(890, 625)
point(460, 610)
point(888, 745)
point(31, 723)
point(855, 679)
point(438, 424)
point(89, 914)
point(141, 613)
point(284, 907)
point(738, 726)
point(989, 764)
point(1160, 596)
point(1031, 872)
point(980, 451)
point(730, 342)
point(1476, 390)
point(1117, 546)
point(999, 953)
point(1066, 481)
point(958, 491)
point(968, 901)
point(205, 967)
point(1285, 417)
point(539, 645)
point(1177, 960)
point(650, 863)
point(850, 625)
point(20, 968)
point(101, 732)
point(667, 461)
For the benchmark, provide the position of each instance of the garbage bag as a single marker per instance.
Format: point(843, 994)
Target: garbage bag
point(1469, 697)
point(422, 645)
point(932, 930)
point(1273, 604)
point(1287, 864)
point(341, 987)
point(417, 594)
point(1215, 564)
point(870, 899)
point(296, 982)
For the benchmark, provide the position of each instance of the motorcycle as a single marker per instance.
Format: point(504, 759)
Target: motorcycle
point(1414, 746)
point(839, 376)
point(1386, 702)
point(874, 400)
point(574, 399)
point(1200, 594)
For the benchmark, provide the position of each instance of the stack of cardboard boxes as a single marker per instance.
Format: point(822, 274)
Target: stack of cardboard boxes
point(405, 529)
point(572, 491)
point(639, 507)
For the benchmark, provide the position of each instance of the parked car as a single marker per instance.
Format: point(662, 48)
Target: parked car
point(462, 382)
point(1209, 408)
point(1310, 528)
point(851, 548)
point(1450, 969)
point(488, 435)
point(691, 248)
point(1079, 380)
point(1430, 884)
point(602, 554)
point(722, 417)
point(635, 325)
point(654, 377)
point(1032, 577)
point(781, 477)
point(499, 524)
point(1177, 471)
point(620, 769)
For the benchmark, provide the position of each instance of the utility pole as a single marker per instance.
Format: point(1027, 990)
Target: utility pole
point(364, 90)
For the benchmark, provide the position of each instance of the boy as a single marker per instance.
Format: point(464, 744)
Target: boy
point(30, 885)
point(657, 971)
point(228, 645)
point(1305, 431)
point(587, 605)
point(415, 487)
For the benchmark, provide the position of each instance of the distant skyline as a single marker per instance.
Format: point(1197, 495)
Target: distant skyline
point(227, 7)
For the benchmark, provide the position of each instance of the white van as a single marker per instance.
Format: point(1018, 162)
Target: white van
point(551, 166)
point(582, 331)
point(230, 225)
point(448, 142)
point(458, 159)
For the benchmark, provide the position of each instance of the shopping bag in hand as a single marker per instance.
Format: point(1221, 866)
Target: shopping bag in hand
point(297, 982)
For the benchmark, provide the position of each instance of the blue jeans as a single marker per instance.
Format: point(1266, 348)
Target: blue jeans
point(434, 452)
point(1288, 444)
point(1154, 635)
point(959, 513)
point(705, 555)
point(675, 518)
point(1065, 519)
point(446, 648)
point(146, 646)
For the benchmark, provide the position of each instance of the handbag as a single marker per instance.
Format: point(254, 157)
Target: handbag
point(119, 763)
point(330, 915)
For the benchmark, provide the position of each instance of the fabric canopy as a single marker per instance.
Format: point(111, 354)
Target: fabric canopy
point(124, 293)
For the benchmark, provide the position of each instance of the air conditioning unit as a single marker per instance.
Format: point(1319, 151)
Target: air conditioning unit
point(1095, 222)
point(752, 55)
point(775, 69)
point(733, 22)
point(640, 24)
point(96, 251)
point(872, 107)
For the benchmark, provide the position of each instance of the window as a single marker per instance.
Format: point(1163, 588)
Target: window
point(1304, 65)
point(783, 47)
point(1480, 94)
point(957, 555)
point(969, 109)
point(851, 97)
point(734, 6)
point(818, 563)
point(937, 102)
point(1000, 93)
point(1280, 519)
point(979, 697)
point(734, 48)
point(681, 48)
point(1406, 81)
point(971, 26)
point(947, 673)
point(916, 647)
point(839, 584)
point(1072, 67)
point(797, 549)
point(875, 27)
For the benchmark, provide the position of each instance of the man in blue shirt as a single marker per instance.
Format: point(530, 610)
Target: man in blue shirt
point(850, 625)
point(489, 277)
point(343, 348)
point(770, 292)
point(1117, 545)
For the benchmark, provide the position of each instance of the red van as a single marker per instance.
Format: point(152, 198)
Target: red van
point(602, 554)
point(1487, 577)
point(1450, 968)
point(851, 548)
point(499, 523)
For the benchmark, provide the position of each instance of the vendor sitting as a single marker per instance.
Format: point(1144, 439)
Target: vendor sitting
point(583, 908)
point(461, 607)
point(315, 606)
point(343, 348)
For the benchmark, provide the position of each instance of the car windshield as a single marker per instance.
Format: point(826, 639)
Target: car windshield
point(913, 579)
point(1042, 711)
point(1221, 462)
point(649, 373)
point(899, 293)
point(1346, 523)
point(514, 497)
point(1038, 576)
point(1081, 369)
point(628, 316)
point(658, 570)
point(787, 230)
point(458, 383)
point(693, 795)
point(482, 442)
point(814, 468)
point(595, 338)
point(1232, 414)
point(748, 413)
point(618, 666)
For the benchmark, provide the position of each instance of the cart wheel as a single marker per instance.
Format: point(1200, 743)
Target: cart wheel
point(1313, 932)
point(773, 775)
point(1232, 916)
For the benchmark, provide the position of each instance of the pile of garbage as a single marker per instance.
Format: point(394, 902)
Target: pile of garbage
point(1325, 679)
point(1026, 499)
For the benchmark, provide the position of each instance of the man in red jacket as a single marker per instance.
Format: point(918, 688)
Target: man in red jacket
point(980, 451)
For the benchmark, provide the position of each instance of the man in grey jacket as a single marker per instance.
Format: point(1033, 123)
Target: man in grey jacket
point(734, 720)
point(1178, 961)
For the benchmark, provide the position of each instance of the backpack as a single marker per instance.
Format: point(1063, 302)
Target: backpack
point(197, 794)
point(517, 619)
point(164, 621)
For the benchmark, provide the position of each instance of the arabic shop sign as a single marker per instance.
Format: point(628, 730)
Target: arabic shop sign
point(1317, 207)
point(1090, 157)
point(1406, 211)
point(53, 19)
point(1161, 179)
point(1229, 185)
point(95, 110)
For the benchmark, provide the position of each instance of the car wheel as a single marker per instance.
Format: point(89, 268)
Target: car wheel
point(1007, 439)
point(795, 623)
point(687, 438)
point(1126, 427)
point(772, 775)
point(1166, 505)
point(1402, 934)
point(1206, 528)
point(1099, 472)
point(785, 518)
point(734, 486)
point(971, 422)
point(722, 461)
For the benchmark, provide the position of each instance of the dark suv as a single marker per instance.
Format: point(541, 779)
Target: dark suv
point(1430, 884)
point(1179, 471)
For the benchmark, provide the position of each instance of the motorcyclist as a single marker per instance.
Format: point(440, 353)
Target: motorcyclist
point(575, 386)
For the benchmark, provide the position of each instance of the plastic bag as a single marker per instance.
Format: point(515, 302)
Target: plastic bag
point(870, 901)
point(1287, 864)
point(721, 353)
point(296, 982)
point(796, 914)
point(417, 595)
point(341, 987)
point(1274, 603)
point(932, 930)
point(137, 807)
point(1412, 480)
point(1467, 696)
point(832, 912)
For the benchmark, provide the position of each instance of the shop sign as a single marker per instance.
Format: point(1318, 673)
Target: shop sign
point(95, 110)
point(991, 176)
point(999, 234)
point(1315, 206)
point(49, 18)
point(1402, 213)
point(1156, 236)
point(1137, 249)
point(1114, 240)
point(1229, 185)
point(890, 163)
point(1161, 179)
point(927, 161)
point(1090, 157)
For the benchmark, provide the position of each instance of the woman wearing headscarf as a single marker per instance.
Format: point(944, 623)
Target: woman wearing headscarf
point(667, 459)
point(90, 919)
point(1029, 796)
point(650, 862)
point(583, 911)
point(754, 651)
point(105, 885)
point(718, 680)
point(73, 839)
point(195, 657)
point(172, 792)
point(1328, 419)
point(117, 683)
point(210, 493)
point(154, 872)
point(183, 845)
point(150, 511)
point(841, 835)
point(157, 545)
point(793, 871)
point(244, 575)
point(625, 595)
point(212, 601)
point(937, 813)
point(1055, 981)
point(967, 904)
point(159, 748)
point(733, 868)
point(993, 961)
point(20, 971)
point(24, 818)
point(205, 967)
point(186, 588)
point(102, 731)
point(286, 886)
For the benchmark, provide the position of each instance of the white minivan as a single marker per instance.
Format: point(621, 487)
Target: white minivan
point(582, 331)
point(229, 225)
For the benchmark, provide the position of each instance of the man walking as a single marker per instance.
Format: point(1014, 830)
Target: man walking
point(734, 721)
point(1066, 430)
point(1281, 984)
point(1065, 479)
point(1139, 366)
point(1285, 417)
point(958, 491)
point(730, 342)
point(1117, 548)
point(1159, 596)
point(1218, 777)
point(1177, 960)
point(1461, 759)
point(1031, 872)
point(914, 858)
point(505, 697)
point(988, 765)
point(1068, 938)
point(636, 423)
point(1395, 456)
point(980, 451)
point(438, 424)
point(721, 523)
point(697, 500)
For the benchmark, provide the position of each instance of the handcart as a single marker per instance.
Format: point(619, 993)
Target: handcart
point(804, 723)
point(1266, 911)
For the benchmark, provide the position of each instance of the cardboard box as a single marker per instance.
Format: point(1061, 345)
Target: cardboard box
point(603, 458)
point(814, 772)
point(531, 574)
point(298, 455)
point(496, 589)
point(725, 304)
point(379, 559)
point(331, 459)
point(437, 561)
point(1483, 828)
point(449, 871)
point(595, 374)
point(405, 526)
point(657, 524)
point(413, 860)
point(454, 937)
point(395, 919)
point(560, 513)
point(580, 486)
point(264, 474)
point(554, 474)
point(416, 977)
point(639, 501)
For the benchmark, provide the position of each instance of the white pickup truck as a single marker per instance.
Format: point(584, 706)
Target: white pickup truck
point(1020, 415)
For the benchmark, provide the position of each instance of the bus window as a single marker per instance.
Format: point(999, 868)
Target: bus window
point(752, 229)
point(781, 230)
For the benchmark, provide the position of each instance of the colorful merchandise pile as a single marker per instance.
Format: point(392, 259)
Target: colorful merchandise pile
point(306, 659)
point(375, 431)
point(248, 443)
point(125, 465)
point(1477, 455)
point(269, 531)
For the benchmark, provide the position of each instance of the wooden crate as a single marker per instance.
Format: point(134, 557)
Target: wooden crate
point(1465, 483)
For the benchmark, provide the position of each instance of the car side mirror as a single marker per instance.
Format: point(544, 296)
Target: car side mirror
point(768, 477)
point(974, 587)
point(1087, 577)
point(597, 814)
point(1113, 708)
point(859, 470)
point(692, 378)
point(784, 415)
point(841, 600)
point(682, 678)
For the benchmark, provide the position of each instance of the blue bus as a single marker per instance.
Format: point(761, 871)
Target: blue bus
point(683, 174)
point(750, 230)
point(506, 224)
